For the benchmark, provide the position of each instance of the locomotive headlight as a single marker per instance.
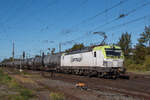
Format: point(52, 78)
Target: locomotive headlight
point(105, 63)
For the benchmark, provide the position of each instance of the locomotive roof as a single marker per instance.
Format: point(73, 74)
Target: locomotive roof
point(94, 48)
point(86, 49)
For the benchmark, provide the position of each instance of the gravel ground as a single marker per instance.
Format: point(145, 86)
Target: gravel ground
point(98, 89)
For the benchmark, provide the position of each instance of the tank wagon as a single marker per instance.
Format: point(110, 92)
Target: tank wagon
point(101, 61)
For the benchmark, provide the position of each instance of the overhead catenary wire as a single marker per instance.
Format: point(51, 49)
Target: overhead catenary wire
point(135, 9)
point(98, 14)
point(113, 27)
point(43, 29)
point(6, 10)
point(84, 2)
point(69, 12)
point(20, 7)
point(117, 26)
point(30, 3)
point(123, 15)
point(129, 22)
point(12, 15)
point(106, 10)
point(127, 14)
point(4, 19)
point(79, 6)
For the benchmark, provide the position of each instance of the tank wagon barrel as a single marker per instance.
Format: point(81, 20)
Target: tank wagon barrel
point(52, 61)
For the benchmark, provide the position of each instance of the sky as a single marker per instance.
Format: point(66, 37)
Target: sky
point(36, 25)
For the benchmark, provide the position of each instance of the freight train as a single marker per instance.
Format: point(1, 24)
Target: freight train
point(100, 61)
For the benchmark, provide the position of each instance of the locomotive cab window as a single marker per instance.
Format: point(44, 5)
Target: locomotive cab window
point(94, 54)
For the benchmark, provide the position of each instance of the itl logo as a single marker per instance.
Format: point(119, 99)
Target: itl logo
point(76, 59)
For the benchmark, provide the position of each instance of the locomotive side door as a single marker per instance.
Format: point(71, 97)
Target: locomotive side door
point(94, 58)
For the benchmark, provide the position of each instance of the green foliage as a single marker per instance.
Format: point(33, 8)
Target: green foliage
point(53, 51)
point(17, 97)
point(148, 50)
point(131, 66)
point(9, 59)
point(140, 60)
point(147, 62)
point(76, 47)
point(4, 78)
point(22, 93)
point(26, 94)
point(142, 49)
point(145, 37)
point(125, 43)
point(36, 56)
point(14, 97)
point(56, 96)
point(139, 54)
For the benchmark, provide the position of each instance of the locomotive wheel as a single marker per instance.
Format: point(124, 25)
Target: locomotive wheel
point(100, 75)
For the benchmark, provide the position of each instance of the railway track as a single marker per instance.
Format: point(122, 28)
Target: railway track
point(138, 87)
point(134, 87)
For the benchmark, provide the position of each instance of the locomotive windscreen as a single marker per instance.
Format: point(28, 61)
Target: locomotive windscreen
point(113, 52)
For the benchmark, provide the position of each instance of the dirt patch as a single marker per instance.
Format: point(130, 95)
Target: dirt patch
point(98, 89)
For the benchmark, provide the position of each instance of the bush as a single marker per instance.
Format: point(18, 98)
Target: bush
point(26, 94)
point(133, 66)
point(4, 78)
point(23, 94)
point(56, 96)
point(147, 63)
point(128, 62)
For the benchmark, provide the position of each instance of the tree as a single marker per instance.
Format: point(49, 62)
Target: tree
point(143, 46)
point(53, 51)
point(76, 47)
point(8, 60)
point(139, 54)
point(125, 43)
point(36, 56)
point(145, 37)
